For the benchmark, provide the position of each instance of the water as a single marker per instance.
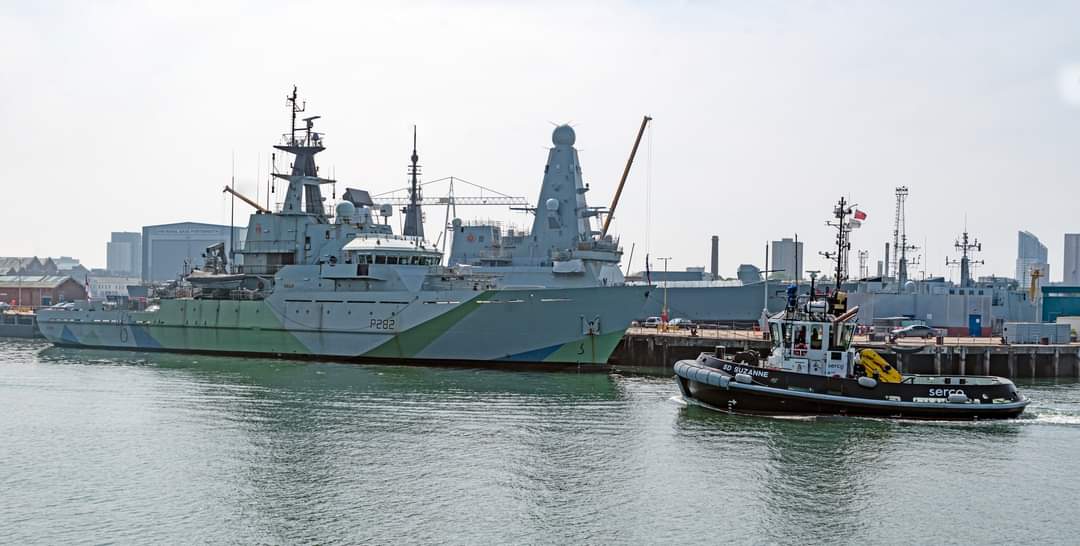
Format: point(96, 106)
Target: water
point(99, 446)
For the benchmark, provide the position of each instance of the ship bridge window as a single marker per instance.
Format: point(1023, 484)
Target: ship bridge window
point(391, 260)
point(380, 259)
point(843, 337)
point(800, 335)
point(777, 336)
point(815, 337)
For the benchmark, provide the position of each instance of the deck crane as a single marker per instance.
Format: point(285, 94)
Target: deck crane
point(622, 181)
point(258, 207)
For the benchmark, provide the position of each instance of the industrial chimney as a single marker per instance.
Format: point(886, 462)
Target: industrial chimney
point(715, 270)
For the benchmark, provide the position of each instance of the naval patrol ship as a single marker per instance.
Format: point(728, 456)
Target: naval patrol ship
point(344, 286)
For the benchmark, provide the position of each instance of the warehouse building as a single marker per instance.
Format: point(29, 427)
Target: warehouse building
point(172, 250)
point(39, 290)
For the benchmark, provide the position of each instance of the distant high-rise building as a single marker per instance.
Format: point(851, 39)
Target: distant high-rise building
point(1072, 259)
point(123, 253)
point(788, 256)
point(1030, 255)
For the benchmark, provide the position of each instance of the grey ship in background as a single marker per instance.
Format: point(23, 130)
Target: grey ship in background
point(974, 306)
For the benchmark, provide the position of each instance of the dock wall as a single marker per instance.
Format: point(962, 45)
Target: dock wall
point(654, 354)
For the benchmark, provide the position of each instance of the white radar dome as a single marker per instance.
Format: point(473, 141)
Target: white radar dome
point(563, 135)
point(345, 212)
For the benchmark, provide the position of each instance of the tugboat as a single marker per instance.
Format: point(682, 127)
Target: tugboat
point(813, 370)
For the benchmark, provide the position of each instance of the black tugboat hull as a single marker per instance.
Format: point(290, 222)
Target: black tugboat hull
point(772, 391)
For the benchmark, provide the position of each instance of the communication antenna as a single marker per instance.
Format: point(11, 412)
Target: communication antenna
point(966, 246)
point(864, 271)
point(295, 109)
point(843, 240)
point(900, 244)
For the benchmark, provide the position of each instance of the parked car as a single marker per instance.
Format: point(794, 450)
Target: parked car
point(651, 322)
point(915, 330)
point(680, 324)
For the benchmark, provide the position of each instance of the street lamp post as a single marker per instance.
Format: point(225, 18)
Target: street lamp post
point(664, 309)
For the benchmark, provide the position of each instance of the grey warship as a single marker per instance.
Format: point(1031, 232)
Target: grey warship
point(340, 284)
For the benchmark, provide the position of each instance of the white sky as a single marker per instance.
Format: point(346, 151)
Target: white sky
point(118, 115)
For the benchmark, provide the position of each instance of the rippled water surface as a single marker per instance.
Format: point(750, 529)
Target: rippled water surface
point(100, 446)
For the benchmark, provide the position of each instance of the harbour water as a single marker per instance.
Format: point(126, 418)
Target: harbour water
point(99, 446)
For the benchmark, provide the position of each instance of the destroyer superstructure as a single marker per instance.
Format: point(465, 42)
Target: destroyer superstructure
point(343, 285)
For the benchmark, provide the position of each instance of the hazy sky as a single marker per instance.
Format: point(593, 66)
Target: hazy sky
point(118, 115)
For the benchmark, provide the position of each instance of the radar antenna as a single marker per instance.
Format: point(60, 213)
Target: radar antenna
point(965, 246)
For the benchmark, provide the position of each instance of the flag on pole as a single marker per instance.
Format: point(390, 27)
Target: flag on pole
point(860, 215)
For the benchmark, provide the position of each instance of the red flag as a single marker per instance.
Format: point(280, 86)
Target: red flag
point(860, 215)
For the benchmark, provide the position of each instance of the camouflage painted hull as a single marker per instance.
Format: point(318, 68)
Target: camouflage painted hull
point(558, 327)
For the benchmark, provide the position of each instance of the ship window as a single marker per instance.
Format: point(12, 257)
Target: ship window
point(380, 259)
point(843, 337)
point(392, 260)
point(774, 331)
point(800, 335)
point(815, 337)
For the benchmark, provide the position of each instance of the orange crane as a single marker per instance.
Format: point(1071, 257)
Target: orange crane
point(1033, 291)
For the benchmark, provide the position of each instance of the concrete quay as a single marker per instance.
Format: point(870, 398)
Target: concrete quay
point(647, 351)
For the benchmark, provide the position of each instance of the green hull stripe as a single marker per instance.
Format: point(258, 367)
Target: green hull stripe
point(589, 349)
point(410, 342)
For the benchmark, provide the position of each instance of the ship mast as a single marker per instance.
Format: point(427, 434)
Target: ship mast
point(965, 262)
point(414, 220)
point(843, 242)
point(304, 194)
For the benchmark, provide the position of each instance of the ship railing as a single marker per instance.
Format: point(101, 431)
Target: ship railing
point(491, 255)
point(730, 330)
point(260, 269)
point(313, 140)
